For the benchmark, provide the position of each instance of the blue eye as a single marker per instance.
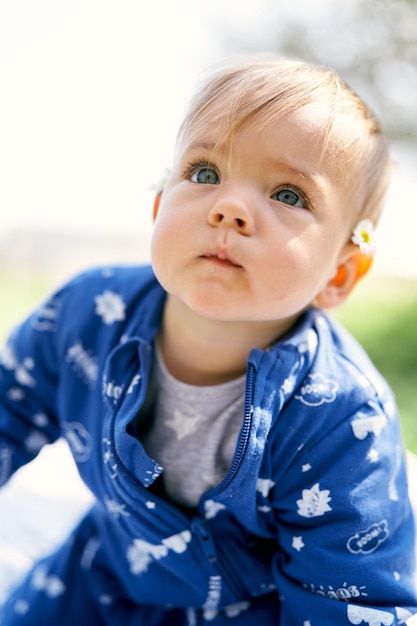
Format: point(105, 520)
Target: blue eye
point(288, 196)
point(205, 176)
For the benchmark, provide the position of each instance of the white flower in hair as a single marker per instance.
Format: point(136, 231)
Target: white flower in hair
point(158, 186)
point(364, 237)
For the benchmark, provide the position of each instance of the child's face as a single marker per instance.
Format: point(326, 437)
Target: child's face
point(252, 230)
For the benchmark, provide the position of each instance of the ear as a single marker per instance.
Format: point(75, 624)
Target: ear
point(354, 266)
point(156, 204)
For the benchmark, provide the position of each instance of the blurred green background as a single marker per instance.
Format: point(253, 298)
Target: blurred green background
point(381, 314)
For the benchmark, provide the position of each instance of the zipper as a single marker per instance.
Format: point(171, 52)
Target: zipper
point(243, 442)
point(244, 437)
point(197, 525)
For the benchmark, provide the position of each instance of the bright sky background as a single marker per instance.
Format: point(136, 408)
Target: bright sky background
point(92, 92)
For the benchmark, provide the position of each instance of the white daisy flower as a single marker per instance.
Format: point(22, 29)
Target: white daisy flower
point(364, 237)
point(159, 185)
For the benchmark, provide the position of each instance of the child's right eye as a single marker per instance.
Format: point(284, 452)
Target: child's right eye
point(205, 176)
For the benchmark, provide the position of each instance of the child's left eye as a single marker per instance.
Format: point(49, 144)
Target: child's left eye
point(290, 197)
point(205, 176)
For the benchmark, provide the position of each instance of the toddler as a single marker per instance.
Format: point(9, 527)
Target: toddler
point(245, 455)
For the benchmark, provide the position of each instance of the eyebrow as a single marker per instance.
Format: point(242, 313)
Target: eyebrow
point(286, 166)
point(204, 145)
point(306, 175)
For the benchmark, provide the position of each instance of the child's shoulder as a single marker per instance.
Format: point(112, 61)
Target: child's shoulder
point(125, 277)
point(122, 282)
point(345, 355)
point(105, 297)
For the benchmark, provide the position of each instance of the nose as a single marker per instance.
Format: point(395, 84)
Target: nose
point(232, 213)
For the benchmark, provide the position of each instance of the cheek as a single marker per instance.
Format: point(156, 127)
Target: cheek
point(298, 265)
point(167, 247)
point(172, 217)
point(160, 246)
point(161, 264)
point(165, 229)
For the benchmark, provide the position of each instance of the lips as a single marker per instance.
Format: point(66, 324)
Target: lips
point(221, 257)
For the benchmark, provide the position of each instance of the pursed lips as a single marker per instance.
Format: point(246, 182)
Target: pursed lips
point(221, 257)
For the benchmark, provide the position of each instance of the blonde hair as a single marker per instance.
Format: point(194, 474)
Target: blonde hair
point(262, 89)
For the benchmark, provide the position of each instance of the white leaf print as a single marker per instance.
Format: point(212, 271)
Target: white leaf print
point(110, 307)
point(314, 502)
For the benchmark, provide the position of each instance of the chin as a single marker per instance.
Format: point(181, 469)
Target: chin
point(214, 314)
point(217, 312)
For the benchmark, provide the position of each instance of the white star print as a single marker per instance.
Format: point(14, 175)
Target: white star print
point(21, 607)
point(298, 543)
point(264, 486)
point(105, 599)
point(16, 394)
point(306, 467)
point(183, 425)
point(40, 419)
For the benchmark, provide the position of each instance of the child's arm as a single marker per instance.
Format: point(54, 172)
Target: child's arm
point(345, 528)
point(51, 369)
point(28, 381)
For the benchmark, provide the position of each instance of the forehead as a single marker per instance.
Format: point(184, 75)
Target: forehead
point(261, 96)
point(308, 127)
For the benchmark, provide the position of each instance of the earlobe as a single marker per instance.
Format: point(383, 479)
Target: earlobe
point(364, 264)
point(156, 204)
point(353, 268)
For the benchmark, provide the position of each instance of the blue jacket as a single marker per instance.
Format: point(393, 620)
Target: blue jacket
point(312, 525)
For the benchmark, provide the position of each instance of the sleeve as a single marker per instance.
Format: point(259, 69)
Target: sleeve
point(29, 383)
point(345, 527)
point(28, 380)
